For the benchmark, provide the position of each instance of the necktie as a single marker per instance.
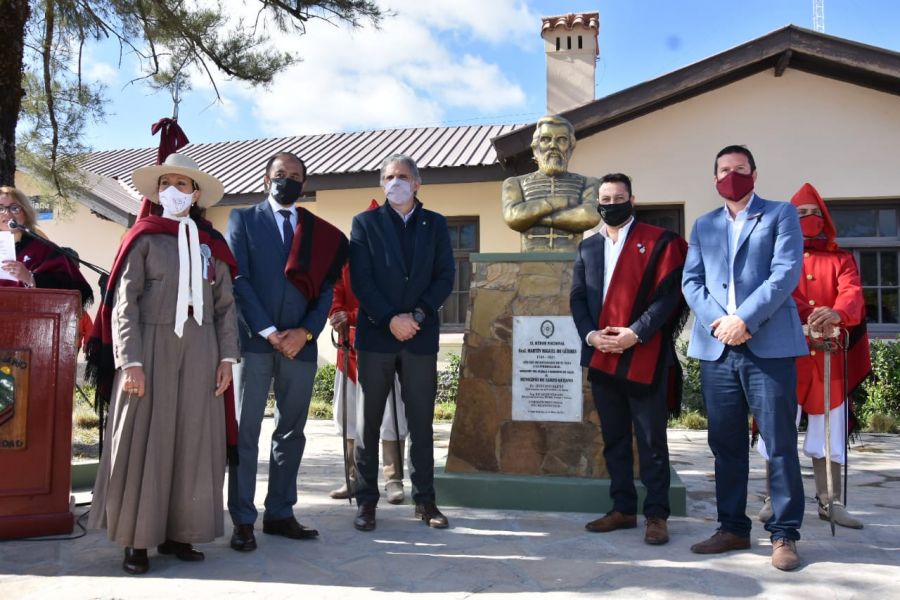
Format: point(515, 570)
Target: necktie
point(286, 229)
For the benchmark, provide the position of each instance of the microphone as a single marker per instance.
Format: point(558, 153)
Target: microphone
point(13, 224)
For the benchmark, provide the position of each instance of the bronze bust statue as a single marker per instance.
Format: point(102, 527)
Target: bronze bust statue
point(551, 207)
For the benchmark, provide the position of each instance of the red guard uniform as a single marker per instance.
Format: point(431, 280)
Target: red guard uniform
point(829, 279)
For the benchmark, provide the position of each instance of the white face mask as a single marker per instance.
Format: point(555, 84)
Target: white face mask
point(398, 191)
point(174, 201)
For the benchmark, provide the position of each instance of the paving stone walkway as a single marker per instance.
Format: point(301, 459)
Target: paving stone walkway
point(497, 553)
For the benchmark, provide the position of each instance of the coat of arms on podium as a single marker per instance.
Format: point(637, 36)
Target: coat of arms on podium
point(13, 398)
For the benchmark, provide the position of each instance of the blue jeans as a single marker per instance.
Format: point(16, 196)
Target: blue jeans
point(734, 383)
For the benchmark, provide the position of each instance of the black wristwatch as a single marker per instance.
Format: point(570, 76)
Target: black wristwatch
point(419, 315)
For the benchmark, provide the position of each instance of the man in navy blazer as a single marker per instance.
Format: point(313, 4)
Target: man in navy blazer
point(743, 262)
point(401, 270)
point(278, 331)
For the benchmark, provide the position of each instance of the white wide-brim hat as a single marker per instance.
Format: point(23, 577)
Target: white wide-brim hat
point(146, 179)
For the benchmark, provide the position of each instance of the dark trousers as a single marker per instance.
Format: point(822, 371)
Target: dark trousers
point(735, 383)
point(648, 414)
point(293, 391)
point(418, 380)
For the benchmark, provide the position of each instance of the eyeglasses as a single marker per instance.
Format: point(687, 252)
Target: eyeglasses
point(13, 209)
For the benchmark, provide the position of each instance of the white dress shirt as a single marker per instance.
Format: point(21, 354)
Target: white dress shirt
point(735, 226)
point(611, 252)
point(279, 219)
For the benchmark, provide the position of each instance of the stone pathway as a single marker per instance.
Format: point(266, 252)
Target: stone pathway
point(497, 553)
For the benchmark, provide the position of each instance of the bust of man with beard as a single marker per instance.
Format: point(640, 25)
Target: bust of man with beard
point(551, 207)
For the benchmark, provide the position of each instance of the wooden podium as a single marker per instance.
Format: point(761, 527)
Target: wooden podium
point(37, 379)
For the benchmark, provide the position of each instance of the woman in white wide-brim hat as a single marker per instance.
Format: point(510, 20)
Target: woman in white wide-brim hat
point(162, 349)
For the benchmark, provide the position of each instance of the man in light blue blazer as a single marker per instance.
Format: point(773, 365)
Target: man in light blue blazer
point(278, 331)
point(743, 262)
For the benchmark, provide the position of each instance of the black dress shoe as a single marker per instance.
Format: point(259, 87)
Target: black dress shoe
point(243, 539)
point(289, 528)
point(181, 550)
point(136, 561)
point(365, 517)
point(428, 512)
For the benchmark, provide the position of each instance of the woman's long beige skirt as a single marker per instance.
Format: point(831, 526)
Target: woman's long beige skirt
point(163, 466)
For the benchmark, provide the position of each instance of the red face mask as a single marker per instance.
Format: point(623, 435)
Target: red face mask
point(812, 225)
point(735, 186)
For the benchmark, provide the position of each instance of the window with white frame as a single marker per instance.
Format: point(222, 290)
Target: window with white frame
point(872, 232)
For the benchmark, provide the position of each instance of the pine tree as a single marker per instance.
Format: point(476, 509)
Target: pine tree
point(41, 45)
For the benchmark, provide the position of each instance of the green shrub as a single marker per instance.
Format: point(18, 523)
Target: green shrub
point(320, 410)
point(882, 390)
point(689, 419)
point(881, 423)
point(692, 397)
point(448, 382)
point(444, 411)
point(323, 388)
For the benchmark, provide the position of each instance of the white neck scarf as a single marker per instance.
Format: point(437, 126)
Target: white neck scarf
point(190, 281)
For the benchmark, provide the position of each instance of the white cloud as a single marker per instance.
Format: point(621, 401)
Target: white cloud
point(101, 72)
point(495, 21)
point(403, 74)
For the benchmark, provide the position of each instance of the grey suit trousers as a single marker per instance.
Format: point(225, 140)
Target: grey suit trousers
point(293, 391)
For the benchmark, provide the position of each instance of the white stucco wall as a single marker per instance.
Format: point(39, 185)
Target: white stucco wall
point(842, 138)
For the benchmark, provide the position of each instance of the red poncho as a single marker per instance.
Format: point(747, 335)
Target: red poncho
point(649, 266)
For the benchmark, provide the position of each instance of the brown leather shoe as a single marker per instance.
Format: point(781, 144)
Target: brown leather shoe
point(136, 561)
point(243, 539)
point(181, 550)
point(656, 532)
point(784, 554)
point(289, 528)
point(611, 521)
point(428, 512)
point(365, 517)
point(721, 541)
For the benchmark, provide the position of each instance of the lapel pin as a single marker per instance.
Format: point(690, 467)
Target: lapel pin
point(641, 248)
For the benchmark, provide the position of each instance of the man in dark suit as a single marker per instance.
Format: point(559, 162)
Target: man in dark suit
point(279, 327)
point(401, 270)
point(743, 262)
point(627, 305)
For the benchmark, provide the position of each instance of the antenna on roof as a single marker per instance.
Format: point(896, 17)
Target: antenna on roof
point(819, 15)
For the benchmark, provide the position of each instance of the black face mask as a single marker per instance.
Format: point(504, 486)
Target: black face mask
point(286, 191)
point(615, 214)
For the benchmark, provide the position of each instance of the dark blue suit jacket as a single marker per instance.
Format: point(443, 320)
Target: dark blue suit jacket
point(386, 287)
point(585, 299)
point(264, 295)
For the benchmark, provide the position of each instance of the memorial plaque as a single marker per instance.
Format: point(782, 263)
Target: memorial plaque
point(546, 378)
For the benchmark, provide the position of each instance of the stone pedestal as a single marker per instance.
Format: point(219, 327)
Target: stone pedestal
point(492, 458)
point(484, 436)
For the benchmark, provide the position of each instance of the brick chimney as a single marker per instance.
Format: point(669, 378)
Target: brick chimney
point(570, 42)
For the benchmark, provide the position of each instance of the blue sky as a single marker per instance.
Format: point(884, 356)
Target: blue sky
point(456, 62)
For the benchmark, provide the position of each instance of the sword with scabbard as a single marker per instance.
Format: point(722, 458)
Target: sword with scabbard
point(343, 343)
point(828, 344)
